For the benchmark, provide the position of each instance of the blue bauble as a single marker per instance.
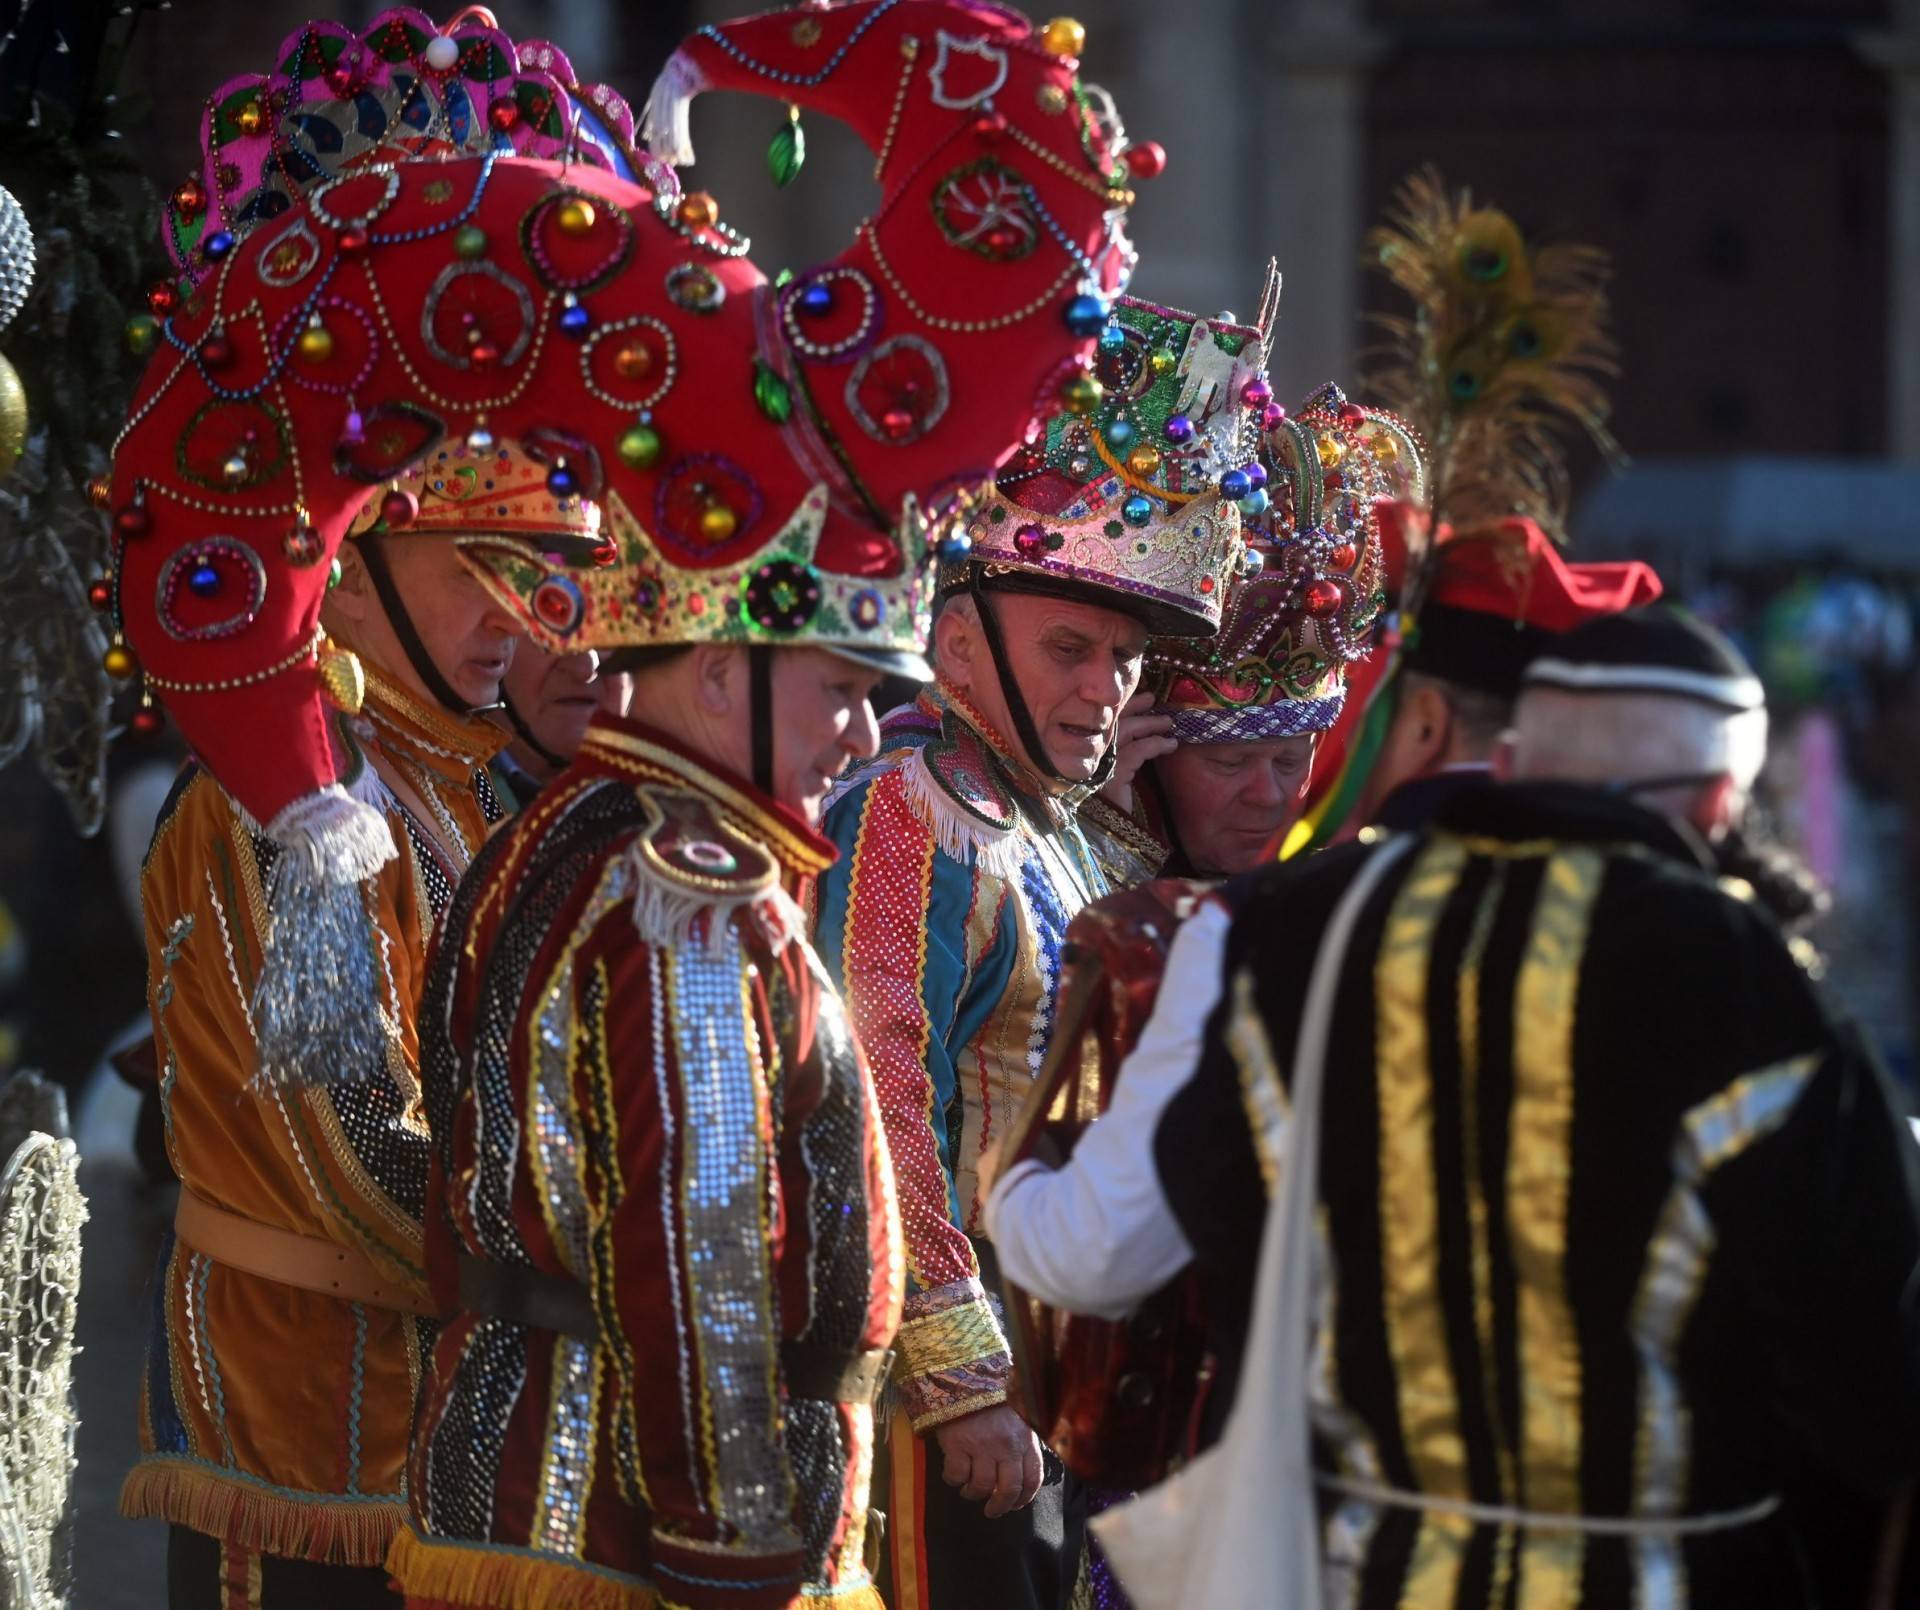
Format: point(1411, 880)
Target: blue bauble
point(575, 322)
point(816, 300)
point(1254, 503)
point(1234, 485)
point(204, 581)
point(561, 481)
point(1137, 510)
point(217, 245)
point(1086, 315)
point(1120, 433)
point(956, 548)
point(1113, 341)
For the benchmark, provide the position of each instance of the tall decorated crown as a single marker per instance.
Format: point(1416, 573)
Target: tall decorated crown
point(410, 248)
point(1311, 582)
point(1139, 486)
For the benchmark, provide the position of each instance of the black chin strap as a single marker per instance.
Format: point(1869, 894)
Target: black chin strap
point(409, 635)
point(760, 713)
point(1023, 727)
point(525, 734)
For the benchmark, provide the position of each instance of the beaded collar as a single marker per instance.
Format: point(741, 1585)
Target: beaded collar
point(1057, 800)
point(445, 745)
point(617, 746)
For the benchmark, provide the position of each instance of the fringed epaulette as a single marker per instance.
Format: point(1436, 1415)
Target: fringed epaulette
point(692, 872)
point(952, 785)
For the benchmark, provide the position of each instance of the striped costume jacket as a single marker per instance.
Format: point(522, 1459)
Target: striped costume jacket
point(1616, 1221)
point(271, 1416)
point(643, 1091)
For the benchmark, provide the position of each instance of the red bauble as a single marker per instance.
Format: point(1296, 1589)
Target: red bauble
point(216, 352)
point(146, 722)
point(897, 423)
point(1343, 556)
point(990, 125)
point(352, 242)
point(483, 354)
point(399, 508)
point(1323, 598)
point(132, 522)
point(1147, 160)
point(100, 595)
point(190, 199)
point(1351, 414)
point(503, 115)
point(163, 296)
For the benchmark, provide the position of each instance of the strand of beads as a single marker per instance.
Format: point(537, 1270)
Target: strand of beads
point(799, 80)
point(247, 679)
point(961, 326)
point(910, 53)
point(692, 216)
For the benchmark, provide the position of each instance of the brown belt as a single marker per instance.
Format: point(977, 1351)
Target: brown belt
point(304, 1261)
point(524, 1296)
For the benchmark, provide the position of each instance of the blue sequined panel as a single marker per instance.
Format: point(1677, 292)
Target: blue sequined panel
point(724, 1199)
point(560, 1518)
point(463, 1462)
point(1050, 918)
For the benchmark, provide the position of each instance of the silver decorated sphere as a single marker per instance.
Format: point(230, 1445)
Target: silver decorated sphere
point(16, 257)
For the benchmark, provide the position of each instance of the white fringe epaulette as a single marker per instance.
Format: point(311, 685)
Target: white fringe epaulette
point(673, 916)
point(997, 851)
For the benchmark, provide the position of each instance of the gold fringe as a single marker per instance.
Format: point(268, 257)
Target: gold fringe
point(502, 1578)
point(321, 1527)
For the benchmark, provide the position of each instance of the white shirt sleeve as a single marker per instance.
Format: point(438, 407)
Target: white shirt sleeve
point(1097, 1236)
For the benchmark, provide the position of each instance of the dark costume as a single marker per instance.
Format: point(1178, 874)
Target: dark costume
point(1619, 1262)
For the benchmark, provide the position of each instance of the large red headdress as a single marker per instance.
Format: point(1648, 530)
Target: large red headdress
point(410, 242)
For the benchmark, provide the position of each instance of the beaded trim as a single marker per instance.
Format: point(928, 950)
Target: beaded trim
point(800, 80)
point(228, 684)
point(962, 326)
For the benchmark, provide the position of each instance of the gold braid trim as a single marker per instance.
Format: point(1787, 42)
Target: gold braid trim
point(951, 1339)
point(329, 1528)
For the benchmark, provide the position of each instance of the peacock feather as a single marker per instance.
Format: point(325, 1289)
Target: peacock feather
point(1506, 342)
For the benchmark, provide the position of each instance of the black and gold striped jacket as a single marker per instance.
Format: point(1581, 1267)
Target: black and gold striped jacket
point(1616, 1220)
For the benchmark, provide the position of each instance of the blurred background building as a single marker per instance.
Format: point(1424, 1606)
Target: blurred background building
point(1752, 167)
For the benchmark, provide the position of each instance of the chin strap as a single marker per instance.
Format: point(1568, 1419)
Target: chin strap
point(760, 713)
point(1023, 727)
point(409, 635)
point(525, 734)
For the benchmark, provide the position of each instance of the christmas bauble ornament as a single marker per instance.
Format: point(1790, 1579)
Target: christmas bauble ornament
point(1147, 160)
point(141, 334)
point(469, 242)
point(16, 257)
point(503, 115)
point(1081, 395)
point(13, 418)
point(250, 118)
point(1343, 556)
point(1086, 314)
point(787, 153)
point(1178, 429)
point(163, 296)
point(100, 595)
point(633, 361)
point(1162, 363)
point(442, 53)
point(1143, 460)
point(216, 352)
point(1120, 432)
point(575, 322)
point(190, 199)
point(575, 216)
point(217, 245)
point(718, 522)
point(1256, 393)
point(316, 342)
point(146, 722)
point(118, 662)
point(1323, 598)
point(698, 210)
point(640, 447)
point(1063, 36)
point(132, 522)
point(1234, 485)
point(1137, 510)
point(398, 508)
point(561, 481)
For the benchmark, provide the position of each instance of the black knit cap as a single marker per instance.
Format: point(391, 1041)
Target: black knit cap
point(1658, 648)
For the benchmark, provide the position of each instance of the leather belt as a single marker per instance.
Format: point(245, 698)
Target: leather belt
point(540, 1301)
point(304, 1261)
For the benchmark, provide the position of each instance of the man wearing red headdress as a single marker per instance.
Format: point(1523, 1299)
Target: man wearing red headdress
point(1494, 600)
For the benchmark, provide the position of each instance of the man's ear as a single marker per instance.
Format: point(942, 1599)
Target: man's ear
point(352, 600)
point(718, 672)
point(956, 641)
point(1429, 720)
point(1716, 808)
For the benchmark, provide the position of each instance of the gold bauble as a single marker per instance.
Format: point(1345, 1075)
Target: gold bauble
point(1162, 363)
point(699, 210)
point(344, 678)
point(1385, 449)
point(118, 662)
point(575, 216)
point(633, 361)
point(1063, 36)
point(717, 522)
point(1143, 460)
point(316, 343)
point(250, 118)
point(1081, 394)
point(13, 418)
point(1330, 450)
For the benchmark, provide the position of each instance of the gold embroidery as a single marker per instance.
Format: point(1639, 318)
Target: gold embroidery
point(1409, 1251)
point(955, 1338)
point(1545, 997)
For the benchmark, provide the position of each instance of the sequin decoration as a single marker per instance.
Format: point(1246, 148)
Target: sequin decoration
point(560, 605)
point(463, 1460)
point(780, 596)
point(210, 589)
point(899, 391)
point(728, 1256)
point(477, 299)
point(560, 1512)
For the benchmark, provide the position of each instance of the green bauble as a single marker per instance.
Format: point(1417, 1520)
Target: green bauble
point(773, 394)
point(640, 447)
point(787, 153)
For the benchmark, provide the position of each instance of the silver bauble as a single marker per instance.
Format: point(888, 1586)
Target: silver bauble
point(16, 257)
